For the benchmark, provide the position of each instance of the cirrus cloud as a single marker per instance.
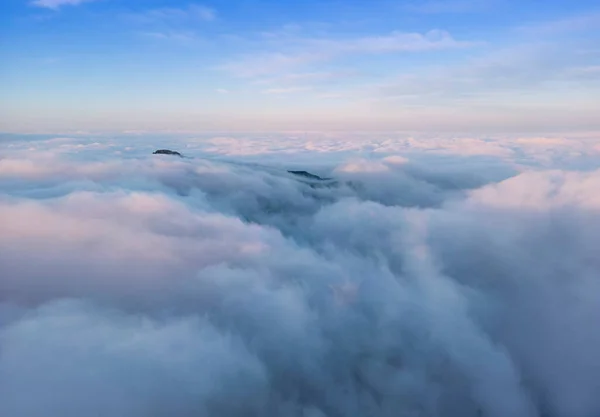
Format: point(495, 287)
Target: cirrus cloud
point(57, 4)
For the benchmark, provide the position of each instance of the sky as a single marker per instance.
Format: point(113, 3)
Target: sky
point(267, 65)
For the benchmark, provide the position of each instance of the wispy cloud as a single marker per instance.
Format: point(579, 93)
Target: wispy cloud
point(310, 50)
point(394, 42)
point(587, 71)
point(268, 63)
point(183, 36)
point(177, 15)
point(171, 23)
point(449, 6)
point(287, 90)
point(330, 95)
point(526, 71)
point(50, 60)
point(578, 23)
point(194, 11)
point(314, 76)
point(57, 4)
point(322, 75)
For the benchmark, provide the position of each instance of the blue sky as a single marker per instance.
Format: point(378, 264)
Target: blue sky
point(131, 65)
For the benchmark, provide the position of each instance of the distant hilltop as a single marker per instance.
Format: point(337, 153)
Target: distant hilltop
point(308, 175)
point(166, 152)
point(305, 174)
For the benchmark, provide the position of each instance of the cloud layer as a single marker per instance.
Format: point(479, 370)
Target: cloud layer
point(425, 282)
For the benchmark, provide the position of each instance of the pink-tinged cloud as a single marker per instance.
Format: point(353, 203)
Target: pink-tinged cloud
point(415, 279)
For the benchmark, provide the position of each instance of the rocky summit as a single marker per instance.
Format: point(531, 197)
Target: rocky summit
point(166, 152)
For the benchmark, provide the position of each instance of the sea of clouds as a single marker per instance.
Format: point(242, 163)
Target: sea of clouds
point(430, 277)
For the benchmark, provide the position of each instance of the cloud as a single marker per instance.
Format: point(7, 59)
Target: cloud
point(566, 151)
point(263, 64)
point(450, 6)
point(529, 69)
point(422, 279)
point(394, 42)
point(286, 90)
point(314, 77)
point(571, 24)
point(193, 11)
point(305, 50)
point(172, 36)
point(331, 95)
point(174, 15)
point(57, 4)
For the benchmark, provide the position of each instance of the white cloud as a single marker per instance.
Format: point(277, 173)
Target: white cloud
point(300, 52)
point(578, 23)
point(185, 36)
point(331, 95)
point(533, 151)
point(531, 70)
point(363, 167)
point(421, 280)
point(286, 90)
point(314, 77)
point(193, 11)
point(450, 6)
point(394, 42)
point(262, 64)
point(57, 4)
point(175, 15)
point(540, 190)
